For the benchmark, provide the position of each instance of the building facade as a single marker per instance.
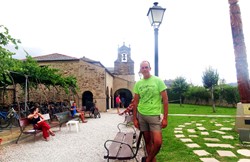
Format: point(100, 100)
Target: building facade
point(97, 83)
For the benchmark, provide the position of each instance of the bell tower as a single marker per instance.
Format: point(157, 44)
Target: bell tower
point(124, 65)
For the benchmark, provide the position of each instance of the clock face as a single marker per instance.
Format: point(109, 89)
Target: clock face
point(124, 57)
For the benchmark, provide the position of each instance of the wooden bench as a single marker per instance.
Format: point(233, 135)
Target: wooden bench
point(128, 119)
point(122, 146)
point(64, 117)
point(126, 126)
point(27, 128)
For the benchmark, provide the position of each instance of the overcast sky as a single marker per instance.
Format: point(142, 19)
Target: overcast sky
point(194, 34)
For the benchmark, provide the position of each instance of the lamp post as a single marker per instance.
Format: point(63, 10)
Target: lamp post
point(155, 15)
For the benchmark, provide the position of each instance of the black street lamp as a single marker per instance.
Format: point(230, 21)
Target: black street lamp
point(155, 15)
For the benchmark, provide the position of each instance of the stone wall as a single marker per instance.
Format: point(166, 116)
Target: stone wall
point(121, 83)
point(109, 88)
point(91, 77)
point(130, 78)
point(7, 96)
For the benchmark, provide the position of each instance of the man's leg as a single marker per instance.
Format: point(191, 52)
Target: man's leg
point(82, 116)
point(118, 108)
point(153, 141)
point(150, 146)
point(156, 142)
point(148, 142)
point(153, 138)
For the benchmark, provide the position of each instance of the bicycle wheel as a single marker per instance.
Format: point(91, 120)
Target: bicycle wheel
point(97, 114)
point(15, 122)
point(4, 123)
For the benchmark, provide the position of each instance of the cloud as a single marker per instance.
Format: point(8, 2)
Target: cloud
point(21, 54)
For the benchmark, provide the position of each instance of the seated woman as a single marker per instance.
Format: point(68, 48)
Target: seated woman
point(77, 112)
point(129, 109)
point(38, 122)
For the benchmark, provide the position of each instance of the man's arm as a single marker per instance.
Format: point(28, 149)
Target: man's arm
point(165, 106)
point(136, 101)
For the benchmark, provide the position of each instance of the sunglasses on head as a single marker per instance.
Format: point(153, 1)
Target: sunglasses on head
point(145, 67)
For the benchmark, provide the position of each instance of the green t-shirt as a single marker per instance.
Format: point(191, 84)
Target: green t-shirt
point(150, 101)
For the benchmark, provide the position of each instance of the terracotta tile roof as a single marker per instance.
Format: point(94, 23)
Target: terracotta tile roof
point(55, 57)
point(61, 57)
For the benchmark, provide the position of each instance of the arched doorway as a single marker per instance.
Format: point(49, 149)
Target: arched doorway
point(87, 100)
point(125, 96)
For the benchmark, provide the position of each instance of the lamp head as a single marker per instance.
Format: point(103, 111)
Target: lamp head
point(155, 15)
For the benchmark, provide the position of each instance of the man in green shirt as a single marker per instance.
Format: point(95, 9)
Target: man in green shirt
point(151, 101)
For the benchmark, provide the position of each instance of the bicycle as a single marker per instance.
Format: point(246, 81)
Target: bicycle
point(95, 111)
point(8, 118)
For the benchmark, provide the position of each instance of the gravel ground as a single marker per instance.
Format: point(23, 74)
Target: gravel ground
point(87, 145)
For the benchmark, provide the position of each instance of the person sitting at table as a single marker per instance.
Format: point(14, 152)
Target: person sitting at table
point(77, 112)
point(38, 122)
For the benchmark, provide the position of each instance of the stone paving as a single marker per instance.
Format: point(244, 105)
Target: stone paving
point(87, 145)
point(187, 132)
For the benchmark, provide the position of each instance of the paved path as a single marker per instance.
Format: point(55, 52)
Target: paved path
point(87, 145)
point(195, 135)
point(9, 136)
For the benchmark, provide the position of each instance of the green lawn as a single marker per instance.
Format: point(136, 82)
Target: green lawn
point(194, 109)
point(174, 150)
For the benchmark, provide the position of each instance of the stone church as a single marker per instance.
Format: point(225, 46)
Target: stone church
point(97, 83)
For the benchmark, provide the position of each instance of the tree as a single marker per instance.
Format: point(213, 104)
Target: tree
point(222, 83)
point(231, 94)
point(198, 94)
point(46, 75)
point(210, 80)
point(13, 71)
point(180, 86)
point(7, 63)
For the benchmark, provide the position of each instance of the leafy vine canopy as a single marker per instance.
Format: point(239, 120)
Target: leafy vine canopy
point(13, 71)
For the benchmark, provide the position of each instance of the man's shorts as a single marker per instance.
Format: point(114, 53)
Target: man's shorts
point(149, 122)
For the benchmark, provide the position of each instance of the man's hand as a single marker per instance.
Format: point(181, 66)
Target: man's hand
point(136, 123)
point(164, 123)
